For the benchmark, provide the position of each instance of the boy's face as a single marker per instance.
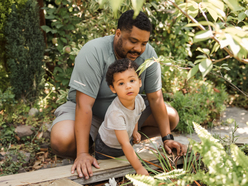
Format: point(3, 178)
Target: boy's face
point(126, 85)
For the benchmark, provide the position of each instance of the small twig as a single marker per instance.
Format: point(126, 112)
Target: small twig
point(204, 15)
point(231, 84)
point(216, 61)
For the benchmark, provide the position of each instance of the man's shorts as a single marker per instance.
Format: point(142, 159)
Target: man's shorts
point(67, 112)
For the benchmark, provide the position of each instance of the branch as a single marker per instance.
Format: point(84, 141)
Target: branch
point(213, 37)
point(216, 61)
point(204, 15)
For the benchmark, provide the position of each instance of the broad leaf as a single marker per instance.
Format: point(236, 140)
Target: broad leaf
point(192, 72)
point(137, 5)
point(203, 35)
point(205, 66)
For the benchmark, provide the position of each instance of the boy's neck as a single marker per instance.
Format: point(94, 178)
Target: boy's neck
point(128, 104)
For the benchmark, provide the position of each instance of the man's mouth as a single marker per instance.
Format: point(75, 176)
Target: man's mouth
point(134, 53)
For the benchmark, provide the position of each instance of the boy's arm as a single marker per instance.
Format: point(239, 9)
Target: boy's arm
point(129, 152)
point(136, 134)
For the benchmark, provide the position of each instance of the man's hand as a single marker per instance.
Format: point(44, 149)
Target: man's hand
point(83, 164)
point(136, 137)
point(171, 144)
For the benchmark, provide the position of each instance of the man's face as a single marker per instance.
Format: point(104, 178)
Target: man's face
point(130, 44)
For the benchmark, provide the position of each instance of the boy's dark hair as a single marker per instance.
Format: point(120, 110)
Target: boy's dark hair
point(126, 21)
point(120, 65)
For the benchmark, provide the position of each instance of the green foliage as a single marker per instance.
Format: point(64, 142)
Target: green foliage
point(7, 100)
point(222, 169)
point(7, 136)
point(25, 49)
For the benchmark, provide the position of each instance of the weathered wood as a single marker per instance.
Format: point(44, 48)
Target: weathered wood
point(60, 182)
point(108, 169)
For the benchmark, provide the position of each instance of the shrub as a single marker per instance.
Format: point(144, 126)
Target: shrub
point(25, 50)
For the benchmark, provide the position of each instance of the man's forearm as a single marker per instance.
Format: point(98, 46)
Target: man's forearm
point(159, 112)
point(82, 129)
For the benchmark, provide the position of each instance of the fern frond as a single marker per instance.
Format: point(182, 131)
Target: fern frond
point(239, 157)
point(177, 173)
point(141, 180)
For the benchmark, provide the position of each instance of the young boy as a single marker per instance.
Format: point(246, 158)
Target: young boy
point(121, 120)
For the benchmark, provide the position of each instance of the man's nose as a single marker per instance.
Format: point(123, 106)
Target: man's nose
point(137, 48)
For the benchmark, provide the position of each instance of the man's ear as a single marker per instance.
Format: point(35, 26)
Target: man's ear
point(112, 89)
point(118, 32)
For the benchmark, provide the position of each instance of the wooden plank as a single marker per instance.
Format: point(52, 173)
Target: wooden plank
point(60, 182)
point(109, 168)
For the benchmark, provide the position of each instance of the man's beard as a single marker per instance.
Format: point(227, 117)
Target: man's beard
point(121, 52)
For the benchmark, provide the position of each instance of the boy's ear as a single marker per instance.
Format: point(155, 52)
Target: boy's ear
point(112, 89)
point(140, 82)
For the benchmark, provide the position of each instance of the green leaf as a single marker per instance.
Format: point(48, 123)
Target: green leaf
point(63, 40)
point(203, 35)
point(233, 4)
point(137, 5)
point(241, 16)
point(203, 50)
point(206, 23)
point(192, 72)
point(115, 4)
point(205, 66)
point(145, 65)
point(46, 28)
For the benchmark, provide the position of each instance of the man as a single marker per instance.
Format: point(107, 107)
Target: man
point(78, 120)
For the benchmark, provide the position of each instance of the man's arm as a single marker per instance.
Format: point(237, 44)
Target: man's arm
point(83, 120)
point(129, 152)
point(160, 114)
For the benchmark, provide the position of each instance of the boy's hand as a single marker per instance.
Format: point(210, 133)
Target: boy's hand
point(142, 171)
point(136, 137)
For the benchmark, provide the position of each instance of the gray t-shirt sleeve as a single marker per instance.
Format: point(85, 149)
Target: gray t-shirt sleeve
point(88, 70)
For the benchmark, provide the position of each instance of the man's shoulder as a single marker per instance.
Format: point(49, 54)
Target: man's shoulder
point(101, 42)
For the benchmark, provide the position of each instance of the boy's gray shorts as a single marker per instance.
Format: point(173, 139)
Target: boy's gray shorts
point(67, 112)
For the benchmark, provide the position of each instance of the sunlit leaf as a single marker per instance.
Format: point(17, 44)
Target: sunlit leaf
point(145, 65)
point(233, 4)
point(137, 5)
point(205, 66)
point(229, 41)
point(203, 35)
point(203, 50)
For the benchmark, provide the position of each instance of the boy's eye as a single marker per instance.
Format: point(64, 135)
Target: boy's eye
point(132, 80)
point(121, 83)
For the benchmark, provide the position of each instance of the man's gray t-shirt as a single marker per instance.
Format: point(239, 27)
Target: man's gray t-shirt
point(91, 65)
point(119, 117)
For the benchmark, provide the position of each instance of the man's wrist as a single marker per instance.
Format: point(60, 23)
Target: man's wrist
point(168, 137)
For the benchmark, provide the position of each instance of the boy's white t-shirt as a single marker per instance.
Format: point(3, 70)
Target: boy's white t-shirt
point(119, 117)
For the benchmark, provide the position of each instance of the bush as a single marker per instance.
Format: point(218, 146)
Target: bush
point(25, 50)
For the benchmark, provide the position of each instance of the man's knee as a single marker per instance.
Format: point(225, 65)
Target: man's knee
point(173, 117)
point(62, 139)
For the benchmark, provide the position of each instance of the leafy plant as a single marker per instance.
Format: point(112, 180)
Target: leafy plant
point(222, 168)
point(24, 50)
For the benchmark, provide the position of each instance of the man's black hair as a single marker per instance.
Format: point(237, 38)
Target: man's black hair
point(126, 21)
point(119, 65)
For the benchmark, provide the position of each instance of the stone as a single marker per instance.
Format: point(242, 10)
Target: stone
point(33, 112)
point(23, 130)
